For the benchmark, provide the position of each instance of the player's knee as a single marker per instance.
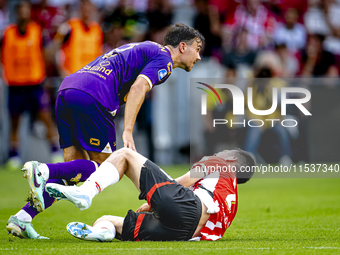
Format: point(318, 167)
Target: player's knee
point(103, 218)
point(121, 154)
point(118, 153)
point(125, 152)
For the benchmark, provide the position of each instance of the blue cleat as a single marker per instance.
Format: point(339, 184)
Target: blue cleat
point(88, 233)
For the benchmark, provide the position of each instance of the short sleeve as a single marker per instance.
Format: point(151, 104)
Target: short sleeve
point(157, 70)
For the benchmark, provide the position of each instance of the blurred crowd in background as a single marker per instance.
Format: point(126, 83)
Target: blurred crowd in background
point(244, 38)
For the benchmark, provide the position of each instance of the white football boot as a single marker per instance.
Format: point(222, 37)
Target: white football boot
point(71, 193)
point(88, 233)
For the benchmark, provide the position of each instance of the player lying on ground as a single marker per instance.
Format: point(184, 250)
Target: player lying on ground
point(88, 101)
point(172, 212)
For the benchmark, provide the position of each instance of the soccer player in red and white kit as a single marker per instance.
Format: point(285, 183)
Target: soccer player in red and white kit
point(199, 205)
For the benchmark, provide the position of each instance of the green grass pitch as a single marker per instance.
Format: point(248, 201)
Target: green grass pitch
point(275, 216)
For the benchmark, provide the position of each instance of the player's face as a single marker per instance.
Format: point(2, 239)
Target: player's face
point(191, 55)
point(24, 11)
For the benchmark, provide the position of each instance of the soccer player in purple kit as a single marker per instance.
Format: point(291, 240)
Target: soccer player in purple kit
point(87, 103)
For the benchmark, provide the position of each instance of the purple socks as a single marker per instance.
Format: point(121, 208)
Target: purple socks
point(47, 199)
point(72, 171)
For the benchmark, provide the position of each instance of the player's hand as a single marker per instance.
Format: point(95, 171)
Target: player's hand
point(144, 208)
point(128, 140)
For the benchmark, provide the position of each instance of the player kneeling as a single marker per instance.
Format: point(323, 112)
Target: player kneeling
point(199, 205)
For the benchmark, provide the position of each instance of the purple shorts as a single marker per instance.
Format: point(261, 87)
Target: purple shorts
point(83, 121)
point(27, 98)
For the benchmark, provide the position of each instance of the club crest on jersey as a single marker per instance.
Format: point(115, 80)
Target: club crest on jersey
point(161, 74)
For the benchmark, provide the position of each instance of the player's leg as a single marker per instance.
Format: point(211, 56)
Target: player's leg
point(73, 110)
point(77, 168)
point(39, 174)
point(46, 117)
point(175, 210)
point(20, 224)
point(16, 108)
point(115, 220)
point(99, 157)
point(123, 161)
point(14, 160)
point(75, 152)
point(42, 110)
point(86, 129)
point(105, 229)
point(83, 121)
point(79, 117)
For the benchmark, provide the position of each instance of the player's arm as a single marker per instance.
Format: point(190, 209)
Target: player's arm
point(202, 169)
point(144, 208)
point(134, 101)
point(187, 180)
point(193, 175)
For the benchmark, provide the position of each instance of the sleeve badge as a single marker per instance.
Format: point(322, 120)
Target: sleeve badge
point(162, 73)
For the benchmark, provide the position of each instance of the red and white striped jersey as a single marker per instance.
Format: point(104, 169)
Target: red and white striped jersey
point(259, 25)
point(221, 181)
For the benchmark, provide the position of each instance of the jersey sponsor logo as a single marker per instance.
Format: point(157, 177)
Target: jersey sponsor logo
point(95, 141)
point(161, 74)
point(99, 68)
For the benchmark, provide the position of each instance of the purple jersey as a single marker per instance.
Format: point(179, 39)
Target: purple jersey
point(109, 77)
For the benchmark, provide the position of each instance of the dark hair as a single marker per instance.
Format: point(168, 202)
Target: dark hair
point(320, 37)
point(243, 159)
point(264, 72)
point(182, 33)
